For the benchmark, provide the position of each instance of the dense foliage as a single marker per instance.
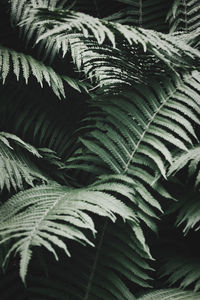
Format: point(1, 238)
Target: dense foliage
point(99, 149)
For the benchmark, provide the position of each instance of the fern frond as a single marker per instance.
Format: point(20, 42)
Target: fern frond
point(44, 215)
point(132, 133)
point(190, 159)
point(100, 48)
point(183, 270)
point(23, 66)
point(102, 270)
point(187, 209)
point(184, 15)
point(140, 142)
point(45, 123)
point(170, 294)
point(16, 167)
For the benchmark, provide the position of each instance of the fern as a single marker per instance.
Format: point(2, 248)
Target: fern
point(182, 270)
point(139, 143)
point(49, 117)
point(146, 134)
point(36, 220)
point(170, 294)
point(146, 14)
point(24, 66)
point(16, 167)
point(191, 159)
point(84, 37)
point(123, 162)
point(104, 269)
point(184, 15)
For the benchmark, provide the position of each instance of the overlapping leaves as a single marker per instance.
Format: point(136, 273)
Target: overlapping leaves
point(16, 163)
point(100, 48)
point(44, 215)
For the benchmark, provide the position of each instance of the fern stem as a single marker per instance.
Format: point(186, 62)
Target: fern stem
point(140, 13)
point(95, 261)
point(185, 15)
point(147, 128)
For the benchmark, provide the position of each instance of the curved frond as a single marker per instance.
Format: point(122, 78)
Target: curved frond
point(44, 215)
point(184, 15)
point(16, 166)
point(100, 272)
point(139, 142)
point(127, 137)
point(190, 159)
point(100, 48)
point(170, 294)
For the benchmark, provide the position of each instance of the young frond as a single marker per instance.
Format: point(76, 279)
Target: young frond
point(170, 294)
point(45, 215)
point(16, 166)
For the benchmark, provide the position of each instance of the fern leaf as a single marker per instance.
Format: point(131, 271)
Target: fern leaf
point(16, 167)
point(27, 64)
point(191, 158)
point(183, 270)
point(92, 40)
point(35, 221)
point(170, 294)
point(184, 15)
point(146, 14)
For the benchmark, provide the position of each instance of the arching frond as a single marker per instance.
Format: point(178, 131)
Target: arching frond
point(44, 215)
point(138, 142)
point(84, 36)
point(102, 271)
point(170, 294)
point(24, 66)
point(190, 159)
point(37, 117)
point(16, 166)
point(127, 137)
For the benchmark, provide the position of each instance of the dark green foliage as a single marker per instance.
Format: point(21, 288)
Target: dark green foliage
point(99, 162)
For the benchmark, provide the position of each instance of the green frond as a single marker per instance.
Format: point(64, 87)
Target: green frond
point(100, 48)
point(184, 15)
point(183, 270)
point(24, 66)
point(138, 144)
point(187, 210)
point(44, 215)
point(170, 294)
point(111, 177)
point(123, 135)
point(16, 165)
